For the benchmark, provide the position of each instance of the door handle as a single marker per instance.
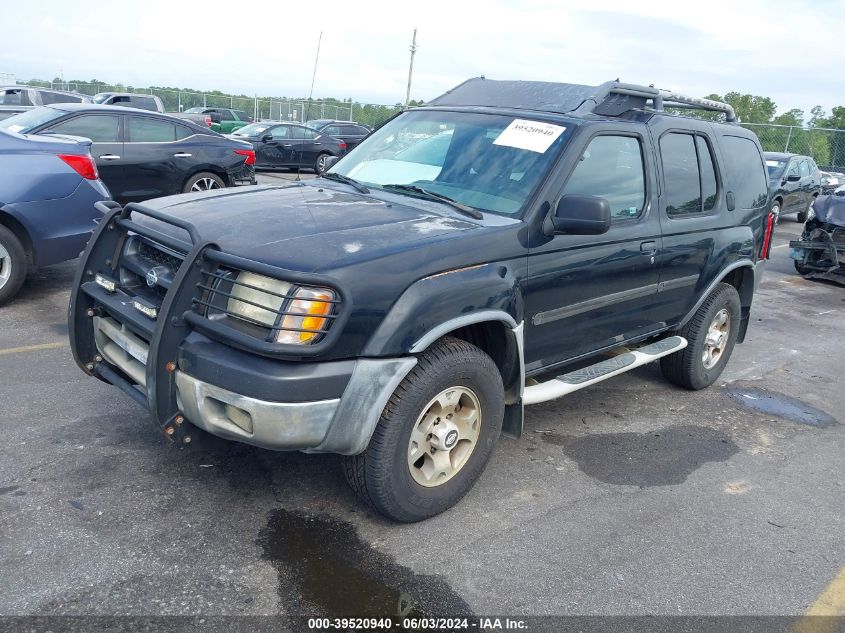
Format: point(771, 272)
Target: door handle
point(648, 248)
point(287, 145)
point(182, 155)
point(317, 143)
point(109, 156)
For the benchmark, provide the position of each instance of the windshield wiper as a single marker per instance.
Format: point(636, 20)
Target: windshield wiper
point(330, 175)
point(432, 195)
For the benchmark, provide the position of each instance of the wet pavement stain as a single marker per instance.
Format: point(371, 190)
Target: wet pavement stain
point(781, 406)
point(659, 458)
point(8, 489)
point(336, 574)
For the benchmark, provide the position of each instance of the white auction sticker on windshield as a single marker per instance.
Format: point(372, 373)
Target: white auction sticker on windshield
point(15, 128)
point(531, 135)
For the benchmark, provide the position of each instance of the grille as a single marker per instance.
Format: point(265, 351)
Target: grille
point(254, 309)
point(158, 257)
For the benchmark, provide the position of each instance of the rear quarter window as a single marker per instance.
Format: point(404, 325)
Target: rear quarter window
point(746, 171)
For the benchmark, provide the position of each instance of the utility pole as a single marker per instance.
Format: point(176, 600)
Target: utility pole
point(411, 69)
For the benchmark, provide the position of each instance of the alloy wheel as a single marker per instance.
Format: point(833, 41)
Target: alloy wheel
point(5, 266)
point(717, 338)
point(205, 184)
point(444, 436)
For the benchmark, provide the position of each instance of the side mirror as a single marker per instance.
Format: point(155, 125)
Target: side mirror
point(793, 178)
point(266, 138)
point(580, 215)
point(330, 162)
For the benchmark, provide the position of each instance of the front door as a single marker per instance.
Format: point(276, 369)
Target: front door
point(586, 292)
point(276, 151)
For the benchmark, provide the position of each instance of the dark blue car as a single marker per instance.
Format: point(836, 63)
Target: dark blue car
point(48, 187)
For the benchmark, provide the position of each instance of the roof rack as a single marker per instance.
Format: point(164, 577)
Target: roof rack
point(611, 98)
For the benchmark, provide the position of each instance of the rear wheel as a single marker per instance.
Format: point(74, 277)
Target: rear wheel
point(203, 181)
point(435, 435)
point(12, 264)
point(320, 163)
point(711, 334)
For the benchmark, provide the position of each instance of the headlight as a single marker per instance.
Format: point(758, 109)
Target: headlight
point(258, 298)
point(295, 315)
point(306, 316)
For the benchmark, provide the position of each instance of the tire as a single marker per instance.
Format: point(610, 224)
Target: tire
point(803, 215)
point(384, 476)
point(776, 210)
point(203, 181)
point(13, 264)
point(320, 163)
point(802, 270)
point(689, 367)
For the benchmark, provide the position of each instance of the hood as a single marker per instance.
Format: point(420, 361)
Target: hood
point(830, 210)
point(304, 227)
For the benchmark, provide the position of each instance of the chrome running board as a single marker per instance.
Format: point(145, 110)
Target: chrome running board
point(581, 378)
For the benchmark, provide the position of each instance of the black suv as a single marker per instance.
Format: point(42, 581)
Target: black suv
point(794, 182)
point(507, 244)
point(349, 132)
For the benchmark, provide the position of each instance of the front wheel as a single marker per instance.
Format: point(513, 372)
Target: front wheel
point(435, 435)
point(776, 211)
point(13, 264)
point(711, 334)
point(807, 213)
point(203, 181)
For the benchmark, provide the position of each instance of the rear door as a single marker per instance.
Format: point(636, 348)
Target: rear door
point(586, 292)
point(155, 164)
point(307, 143)
point(692, 211)
point(105, 132)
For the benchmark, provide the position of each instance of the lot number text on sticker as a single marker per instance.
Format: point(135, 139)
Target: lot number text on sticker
point(531, 135)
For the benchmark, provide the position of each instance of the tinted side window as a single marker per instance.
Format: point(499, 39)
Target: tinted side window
point(143, 130)
point(299, 132)
point(243, 116)
point(612, 167)
point(280, 132)
point(360, 129)
point(793, 169)
point(805, 169)
point(708, 173)
point(351, 130)
point(97, 127)
point(332, 130)
point(183, 131)
point(225, 115)
point(680, 174)
point(747, 171)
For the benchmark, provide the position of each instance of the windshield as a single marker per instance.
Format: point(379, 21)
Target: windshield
point(194, 110)
point(775, 167)
point(489, 162)
point(101, 98)
point(31, 119)
point(253, 129)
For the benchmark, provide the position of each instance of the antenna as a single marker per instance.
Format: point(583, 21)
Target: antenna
point(308, 109)
point(411, 69)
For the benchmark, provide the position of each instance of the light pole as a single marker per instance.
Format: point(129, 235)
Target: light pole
point(411, 68)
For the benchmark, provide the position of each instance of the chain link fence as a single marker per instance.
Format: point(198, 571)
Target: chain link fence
point(825, 146)
point(370, 114)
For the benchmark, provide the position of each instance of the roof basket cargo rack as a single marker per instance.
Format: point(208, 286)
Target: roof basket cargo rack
point(611, 98)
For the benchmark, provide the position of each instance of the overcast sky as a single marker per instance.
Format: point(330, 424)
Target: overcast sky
point(790, 50)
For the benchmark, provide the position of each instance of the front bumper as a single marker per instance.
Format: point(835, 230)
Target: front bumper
point(189, 380)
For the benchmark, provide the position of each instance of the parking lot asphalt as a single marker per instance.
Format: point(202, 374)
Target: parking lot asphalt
point(631, 497)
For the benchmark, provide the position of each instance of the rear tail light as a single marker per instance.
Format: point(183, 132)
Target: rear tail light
point(208, 120)
point(767, 236)
point(82, 165)
point(342, 145)
point(249, 153)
